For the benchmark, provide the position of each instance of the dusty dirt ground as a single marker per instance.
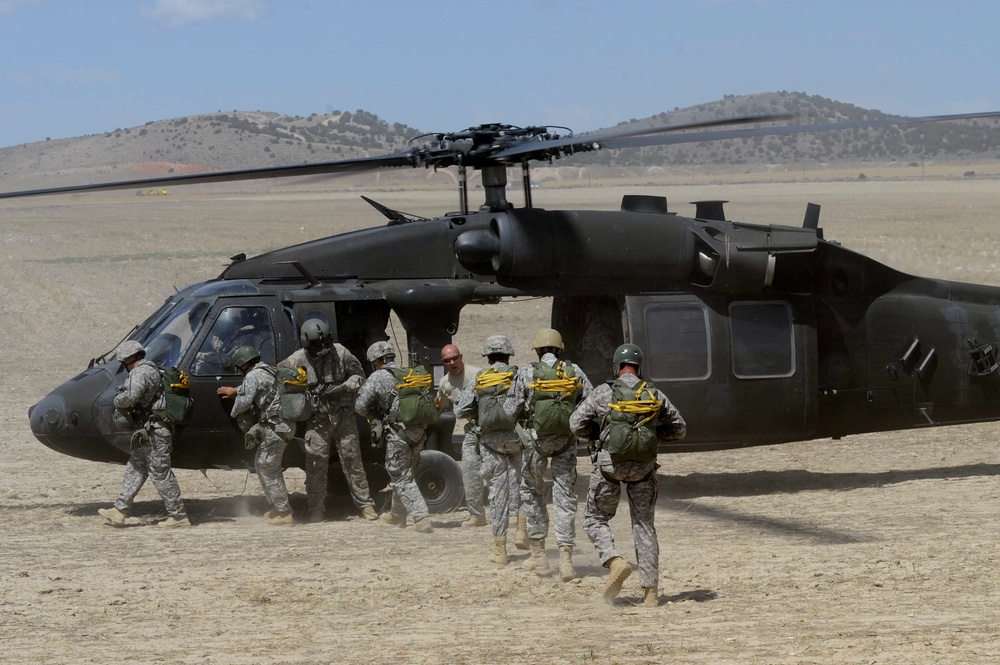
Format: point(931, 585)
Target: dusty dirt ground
point(872, 549)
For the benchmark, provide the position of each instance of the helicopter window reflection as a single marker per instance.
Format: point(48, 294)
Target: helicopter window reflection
point(166, 342)
point(235, 327)
point(677, 340)
point(763, 340)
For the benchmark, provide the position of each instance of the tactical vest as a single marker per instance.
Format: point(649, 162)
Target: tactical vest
point(491, 387)
point(632, 422)
point(556, 391)
point(414, 385)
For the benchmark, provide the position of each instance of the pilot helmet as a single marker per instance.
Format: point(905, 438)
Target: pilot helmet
point(314, 335)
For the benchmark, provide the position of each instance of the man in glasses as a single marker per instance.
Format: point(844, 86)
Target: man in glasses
point(459, 375)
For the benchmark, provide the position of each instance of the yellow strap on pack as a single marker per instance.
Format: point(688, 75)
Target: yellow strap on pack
point(301, 378)
point(183, 382)
point(412, 380)
point(494, 377)
point(560, 384)
point(643, 407)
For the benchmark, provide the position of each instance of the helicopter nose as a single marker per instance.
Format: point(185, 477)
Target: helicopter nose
point(64, 420)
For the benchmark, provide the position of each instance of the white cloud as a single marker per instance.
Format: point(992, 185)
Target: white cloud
point(181, 13)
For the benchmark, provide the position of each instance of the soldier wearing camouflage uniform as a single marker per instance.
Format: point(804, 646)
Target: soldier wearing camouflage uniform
point(500, 448)
point(540, 448)
point(639, 477)
point(335, 376)
point(256, 401)
point(378, 400)
point(141, 398)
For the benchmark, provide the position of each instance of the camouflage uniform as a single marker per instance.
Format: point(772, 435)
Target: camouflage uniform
point(639, 478)
point(258, 392)
point(379, 399)
point(561, 449)
point(451, 388)
point(143, 392)
point(501, 466)
point(332, 421)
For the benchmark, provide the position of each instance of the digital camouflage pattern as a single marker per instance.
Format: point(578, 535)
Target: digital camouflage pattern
point(501, 460)
point(376, 400)
point(560, 449)
point(334, 380)
point(604, 491)
point(257, 391)
point(142, 393)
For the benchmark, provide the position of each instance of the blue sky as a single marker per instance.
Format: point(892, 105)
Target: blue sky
point(75, 67)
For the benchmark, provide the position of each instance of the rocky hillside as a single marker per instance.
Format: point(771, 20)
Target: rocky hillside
point(239, 140)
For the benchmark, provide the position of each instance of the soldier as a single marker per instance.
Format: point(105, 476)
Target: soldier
point(499, 444)
point(632, 416)
point(335, 376)
point(379, 401)
point(257, 405)
point(141, 403)
point(545, 394)
point(459, 375)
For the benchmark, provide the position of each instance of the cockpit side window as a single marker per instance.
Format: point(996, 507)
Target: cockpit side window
point(234, 327)
point(166, 342)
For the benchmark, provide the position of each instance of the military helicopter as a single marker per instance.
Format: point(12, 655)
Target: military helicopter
point(813, 339)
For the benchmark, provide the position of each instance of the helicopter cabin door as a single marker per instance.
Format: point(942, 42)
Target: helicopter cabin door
point(741, 372)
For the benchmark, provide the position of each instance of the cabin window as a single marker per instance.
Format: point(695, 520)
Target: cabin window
point(763, 340)
point(234, 327)
point(677, 342)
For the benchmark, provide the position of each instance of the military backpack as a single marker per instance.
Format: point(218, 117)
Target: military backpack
point(631, 423)
point(556, 391)
point(416, 398)
point(491, 387)
point(292, 386)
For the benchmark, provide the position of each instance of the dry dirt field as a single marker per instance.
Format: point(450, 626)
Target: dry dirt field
point(871, 549)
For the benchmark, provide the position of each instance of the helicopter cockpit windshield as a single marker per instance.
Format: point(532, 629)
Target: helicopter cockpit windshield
point(166, 342)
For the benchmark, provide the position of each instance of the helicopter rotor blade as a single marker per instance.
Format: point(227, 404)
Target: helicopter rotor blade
point(343, 167)
point(718, 135)
point(586, 142)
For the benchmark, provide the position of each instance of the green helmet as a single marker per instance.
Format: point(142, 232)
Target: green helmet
point(627, 354)
point(314, 330)
point(244, 355)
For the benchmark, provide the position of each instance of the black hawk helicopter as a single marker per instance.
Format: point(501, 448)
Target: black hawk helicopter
point(761, 334)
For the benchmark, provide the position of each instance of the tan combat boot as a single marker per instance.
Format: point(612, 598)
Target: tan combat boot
point(315, 516)
point(423, 525)
point(475, 520)
point(620, 570)
point(173, 522)
point(499, 555)
point(521, 540)
point(537, 561)
point(271, 514)
point(281, 519)
point(113, 515)
point(650, 597)
point(368, 512)
point(566, 573)
point(388, 518)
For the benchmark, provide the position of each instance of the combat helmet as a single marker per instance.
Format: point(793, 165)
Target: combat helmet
point(244, 355)
point(380, 350)
point(627, 354)
point(314, 332)
point(547, 338)
point(128, 349)
point(499, 345)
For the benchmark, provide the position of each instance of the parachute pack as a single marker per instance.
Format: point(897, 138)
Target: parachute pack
point(557, 389)
point(631, 426)
point(491, 386)
point(416, 398)
point(176, 392)
point(292, 386)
